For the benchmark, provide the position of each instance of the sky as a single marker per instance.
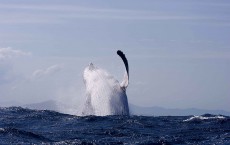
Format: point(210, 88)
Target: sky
point(178, 51)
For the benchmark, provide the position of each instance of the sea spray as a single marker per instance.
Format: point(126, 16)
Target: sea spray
point(104, 95)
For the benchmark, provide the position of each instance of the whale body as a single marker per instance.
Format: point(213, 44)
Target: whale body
point(104, 94)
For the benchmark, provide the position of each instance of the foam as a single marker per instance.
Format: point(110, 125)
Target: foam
point(200, 118)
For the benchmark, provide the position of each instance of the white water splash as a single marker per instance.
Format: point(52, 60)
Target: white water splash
point(200, 118)
point(104, 95)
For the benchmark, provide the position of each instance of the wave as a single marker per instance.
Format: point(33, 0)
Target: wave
point(18, 133)
point(21, 110)
point(25, 126)
point(204, 117)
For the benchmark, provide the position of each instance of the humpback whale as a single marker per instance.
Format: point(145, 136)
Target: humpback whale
point(104, 94)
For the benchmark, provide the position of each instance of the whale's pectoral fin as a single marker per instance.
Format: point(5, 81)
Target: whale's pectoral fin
point(125, 82)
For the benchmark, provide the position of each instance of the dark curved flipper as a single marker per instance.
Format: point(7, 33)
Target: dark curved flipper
point(126, 78)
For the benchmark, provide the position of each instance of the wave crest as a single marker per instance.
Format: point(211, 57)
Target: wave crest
point(204, 117)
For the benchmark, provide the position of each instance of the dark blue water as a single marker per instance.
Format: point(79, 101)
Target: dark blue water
point(24, 126)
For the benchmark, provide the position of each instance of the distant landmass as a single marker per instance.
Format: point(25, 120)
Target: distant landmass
point(46, 105)
point(9, 103)
point(134, 109)
point(52, 105)
point(160, 111)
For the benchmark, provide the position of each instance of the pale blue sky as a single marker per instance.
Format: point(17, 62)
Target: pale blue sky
point(178, 50)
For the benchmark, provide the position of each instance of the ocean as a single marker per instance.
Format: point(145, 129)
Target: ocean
point(25, 126)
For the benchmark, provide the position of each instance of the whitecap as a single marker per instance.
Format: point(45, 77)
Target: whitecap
point(200, 118)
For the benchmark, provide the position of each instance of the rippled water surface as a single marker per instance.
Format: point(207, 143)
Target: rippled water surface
point(24, 126)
